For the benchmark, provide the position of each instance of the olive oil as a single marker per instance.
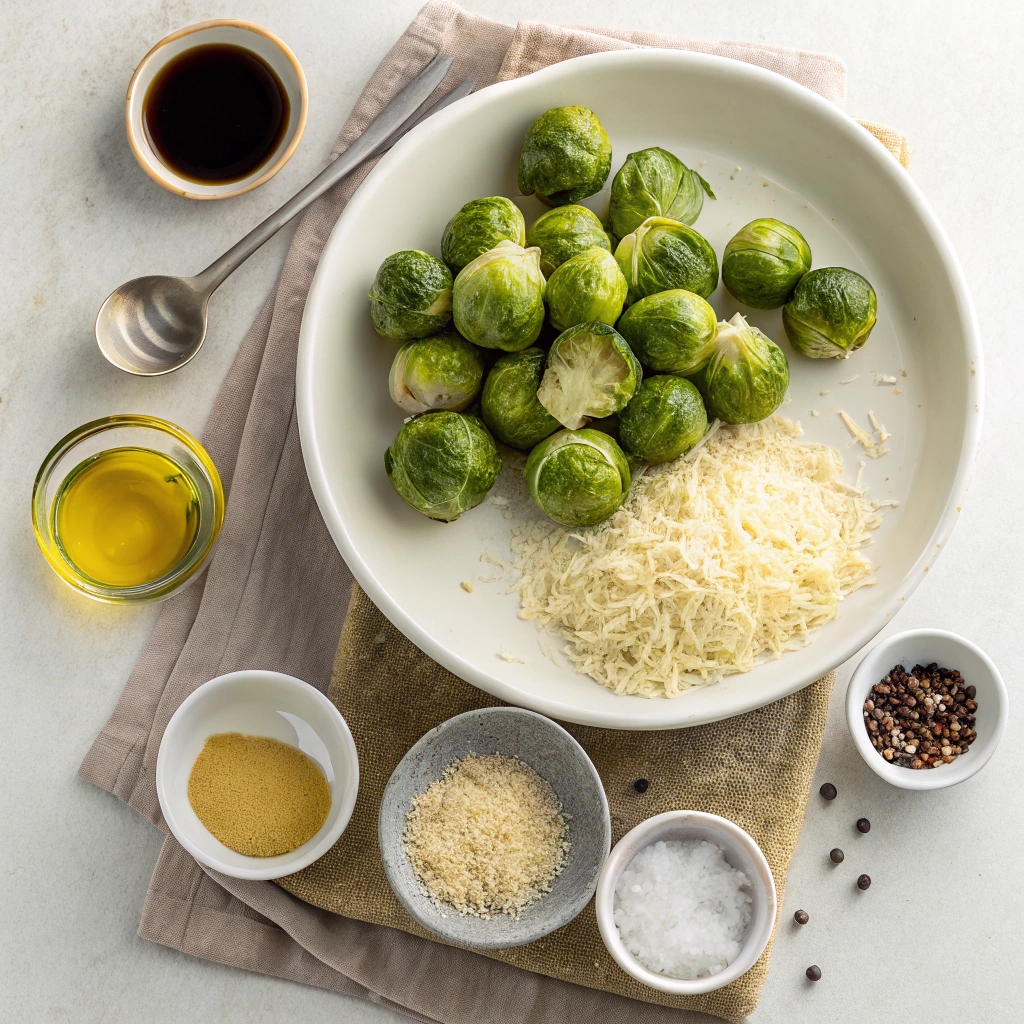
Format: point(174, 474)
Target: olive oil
point(126, 516)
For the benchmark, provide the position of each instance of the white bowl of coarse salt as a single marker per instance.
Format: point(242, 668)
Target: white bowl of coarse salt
point(686, 902)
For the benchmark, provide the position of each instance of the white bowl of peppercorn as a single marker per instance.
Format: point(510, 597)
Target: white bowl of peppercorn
point(926, 709)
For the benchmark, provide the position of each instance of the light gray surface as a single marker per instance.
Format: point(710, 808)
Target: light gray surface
point(550, 751)
point(943, 913)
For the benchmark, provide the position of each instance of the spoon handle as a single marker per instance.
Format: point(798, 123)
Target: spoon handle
point(380, 130)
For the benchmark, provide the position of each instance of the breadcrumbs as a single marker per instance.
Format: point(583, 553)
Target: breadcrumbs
point(487, 837)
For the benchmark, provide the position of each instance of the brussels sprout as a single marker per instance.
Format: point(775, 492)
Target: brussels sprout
point(480, 225)
point(747, 377)
point(440, 372)
point(509, 402)
point(589, 286)
point(831, 313)
point(498, 298)
point(443, 463)
point(564, 231)
point(671, 332)
point(764, 261)
point(578, 477)
point(654, 183)
point(566, 156)
point(662, 254)
point(664, 420)
point(591, 373)
point(411, 296)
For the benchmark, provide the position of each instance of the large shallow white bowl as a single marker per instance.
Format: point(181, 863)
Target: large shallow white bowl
point(768, 147)
point(256, 703)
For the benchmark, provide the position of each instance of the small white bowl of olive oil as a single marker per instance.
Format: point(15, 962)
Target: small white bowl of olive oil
point(127, 508)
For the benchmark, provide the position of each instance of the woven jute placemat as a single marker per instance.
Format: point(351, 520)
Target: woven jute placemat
point(755, 769)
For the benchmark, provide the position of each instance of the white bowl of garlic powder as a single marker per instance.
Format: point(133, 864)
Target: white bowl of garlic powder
point(686, 902)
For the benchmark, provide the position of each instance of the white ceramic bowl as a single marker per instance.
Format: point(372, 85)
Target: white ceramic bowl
point(923, 647)
point(767, 147)
point(238, 33)
point(740, 852)
point(256, 703)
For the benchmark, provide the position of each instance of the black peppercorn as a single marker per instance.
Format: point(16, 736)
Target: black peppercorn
point(814, 972)
point(801, 917)
point(864, 882)
point(641, 785)
point(863, 825)
point(828, 791)
point(837, 856)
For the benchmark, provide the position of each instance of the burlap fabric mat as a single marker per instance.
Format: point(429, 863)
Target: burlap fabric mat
point(755, 769)
point(275, 597)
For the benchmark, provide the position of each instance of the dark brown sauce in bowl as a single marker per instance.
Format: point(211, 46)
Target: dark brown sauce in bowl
point(215, 113)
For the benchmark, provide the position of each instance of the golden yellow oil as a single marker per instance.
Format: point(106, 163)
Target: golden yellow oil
point(126, 516)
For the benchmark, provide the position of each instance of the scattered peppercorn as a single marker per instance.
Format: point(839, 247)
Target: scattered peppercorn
point(863, 825)
point(864, 882)
point(641, 785)
point(801, 917)
point(837, 856)
point(814, 972)
point(921, 719)
point(828, 791)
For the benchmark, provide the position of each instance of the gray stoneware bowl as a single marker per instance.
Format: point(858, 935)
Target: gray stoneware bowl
point(551, 752)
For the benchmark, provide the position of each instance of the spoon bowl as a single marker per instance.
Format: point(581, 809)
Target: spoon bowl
point(152, 325)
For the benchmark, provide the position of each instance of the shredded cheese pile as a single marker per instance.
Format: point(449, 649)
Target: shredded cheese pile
point(717, 561)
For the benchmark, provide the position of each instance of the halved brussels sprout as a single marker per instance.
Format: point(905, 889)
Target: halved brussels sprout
point(663, 254)
point(440, 372)
point(498, 298)
point(665, 419)
point(578, 477)
point(588, 286)
point(831, 313)
point(764, 261)
point(591, 373)
point(671, 332)
point(480, 225)
point(566, 156)
point(509, 404)
point(654, 183)
point(443, 463)
point(411, 296)
point(564, 231)
point(747, 377)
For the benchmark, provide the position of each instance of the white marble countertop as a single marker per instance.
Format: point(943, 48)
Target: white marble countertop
point(938, 933)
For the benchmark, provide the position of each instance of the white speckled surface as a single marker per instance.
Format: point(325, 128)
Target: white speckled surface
point(80, 217)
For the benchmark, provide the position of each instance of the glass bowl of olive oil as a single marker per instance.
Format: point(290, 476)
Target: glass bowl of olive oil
point(127, 508)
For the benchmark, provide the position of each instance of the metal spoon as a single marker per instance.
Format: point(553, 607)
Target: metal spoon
point(153, 325)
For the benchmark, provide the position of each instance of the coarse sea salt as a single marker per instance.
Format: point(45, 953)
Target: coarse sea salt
point(681, 909)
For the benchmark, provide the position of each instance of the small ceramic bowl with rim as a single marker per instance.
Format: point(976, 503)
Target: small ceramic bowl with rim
point(556, 757)
point(741, 852)
point(256, 703)
point(925, 647)
point(270, 50)
point(130, 430)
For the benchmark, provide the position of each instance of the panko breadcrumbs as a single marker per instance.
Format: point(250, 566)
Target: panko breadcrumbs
point(487, 837)
point(715, 562)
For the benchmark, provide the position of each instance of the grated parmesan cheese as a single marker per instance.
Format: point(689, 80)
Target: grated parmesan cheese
point(711, 566)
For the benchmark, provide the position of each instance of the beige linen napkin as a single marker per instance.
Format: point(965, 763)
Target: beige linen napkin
point(275, 597)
